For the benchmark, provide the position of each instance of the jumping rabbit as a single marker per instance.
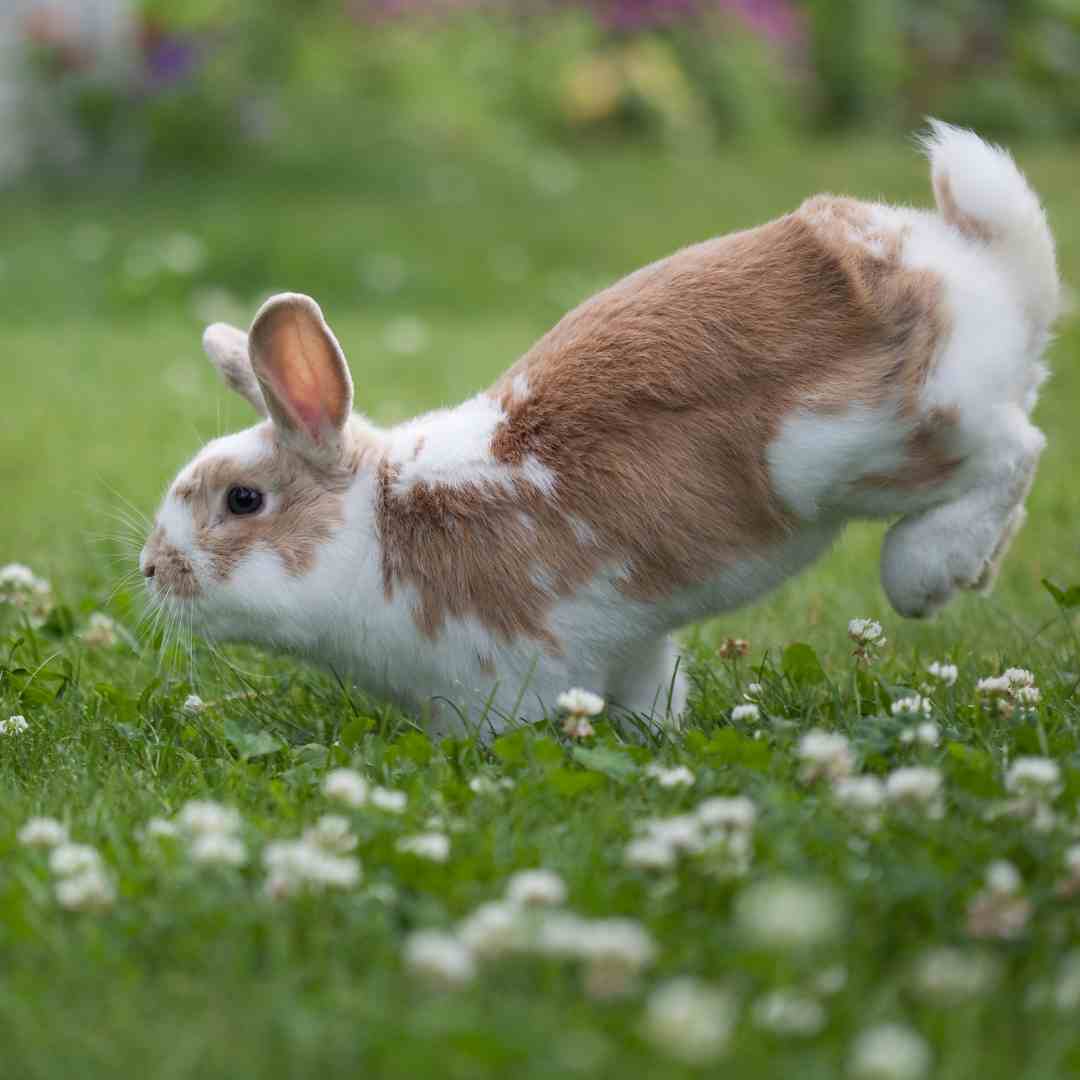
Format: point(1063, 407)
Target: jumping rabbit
point(676, 446)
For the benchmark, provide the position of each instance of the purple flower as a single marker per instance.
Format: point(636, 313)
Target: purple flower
point(170, 60)
point(777, 20)
point(643, 14)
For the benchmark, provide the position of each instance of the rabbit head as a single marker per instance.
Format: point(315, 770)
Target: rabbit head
point(246, 520)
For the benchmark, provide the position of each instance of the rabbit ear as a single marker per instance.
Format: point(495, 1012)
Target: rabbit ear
point(227, 348)
point(302, 371)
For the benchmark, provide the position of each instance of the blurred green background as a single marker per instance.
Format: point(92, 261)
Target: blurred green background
point(448, 177)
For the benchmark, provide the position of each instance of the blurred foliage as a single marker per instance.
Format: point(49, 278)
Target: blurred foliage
point(204, 80)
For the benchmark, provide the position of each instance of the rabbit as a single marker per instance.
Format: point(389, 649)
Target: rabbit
point(675, 447)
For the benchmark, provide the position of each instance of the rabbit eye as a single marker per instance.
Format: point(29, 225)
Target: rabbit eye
point(244, 500)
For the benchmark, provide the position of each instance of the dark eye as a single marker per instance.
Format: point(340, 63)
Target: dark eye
point(244, 500)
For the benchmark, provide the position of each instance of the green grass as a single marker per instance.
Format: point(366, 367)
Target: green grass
point(193, 973)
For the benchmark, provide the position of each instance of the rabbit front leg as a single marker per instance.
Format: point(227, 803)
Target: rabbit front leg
point(651, 682)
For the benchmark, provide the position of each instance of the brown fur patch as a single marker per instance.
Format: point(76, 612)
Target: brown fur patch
point(653, 404)
point(306, 508)
point(467, 552)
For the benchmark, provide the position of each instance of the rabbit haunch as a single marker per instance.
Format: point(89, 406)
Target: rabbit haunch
point(674, 447)
point(730, 337)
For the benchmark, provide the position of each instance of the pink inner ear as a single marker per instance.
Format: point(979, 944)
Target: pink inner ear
point(297, 380)
point(301, 361)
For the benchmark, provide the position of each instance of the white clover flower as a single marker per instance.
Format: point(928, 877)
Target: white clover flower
point(754, 690)
point(720, 812)
point(690, 1020)
point(17, 576)
point(70, 860)
point(157, 828)
point(944, 673)
point(927, 733)
point(100, 631)
point(88, 890)
point(994, 686)
point(867, 634)
point(1002, 877)
point(331, 833)
point(952, 976)
point(193, 704)
point(494, 929)
point(579, 702)
point(205, 816)
point(861, 795)
point(486, 785)
point(916, 787)
point(14, 725)
point(23, 589)
point(728, 853)
point(889, 1052)
point(44, 832)
point(783, 913)
point(346, 786)
point(389, 800)
point(912, 705)
point(824, 754)
point(1018, 677)
point(748, 711)
point(1066, 993)
point(383, 892)
point(536, 887)
point(1000, 911)
point(578, 727)
point(445, 823)
point(616, 951)
point(649, 853)
point(1028, 696)
point(997, 915)
point(561, 934)
point(217, 849)
point(1036, 777)
point(727, 825)
point(832, 980)
point(296, 866)
point(683, 832)
point(579, 705)
point(427, 845)
point(1072, 860)
point(440, 959)
point(789, 1012)
point(679, 776)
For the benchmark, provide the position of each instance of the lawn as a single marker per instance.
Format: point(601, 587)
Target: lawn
point(437, 270)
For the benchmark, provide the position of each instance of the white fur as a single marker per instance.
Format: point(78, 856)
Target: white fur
point(452, 447)
point(988, 187)
point(1000, 294)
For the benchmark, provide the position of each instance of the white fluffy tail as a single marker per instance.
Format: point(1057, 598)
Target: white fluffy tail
point(980, 191)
